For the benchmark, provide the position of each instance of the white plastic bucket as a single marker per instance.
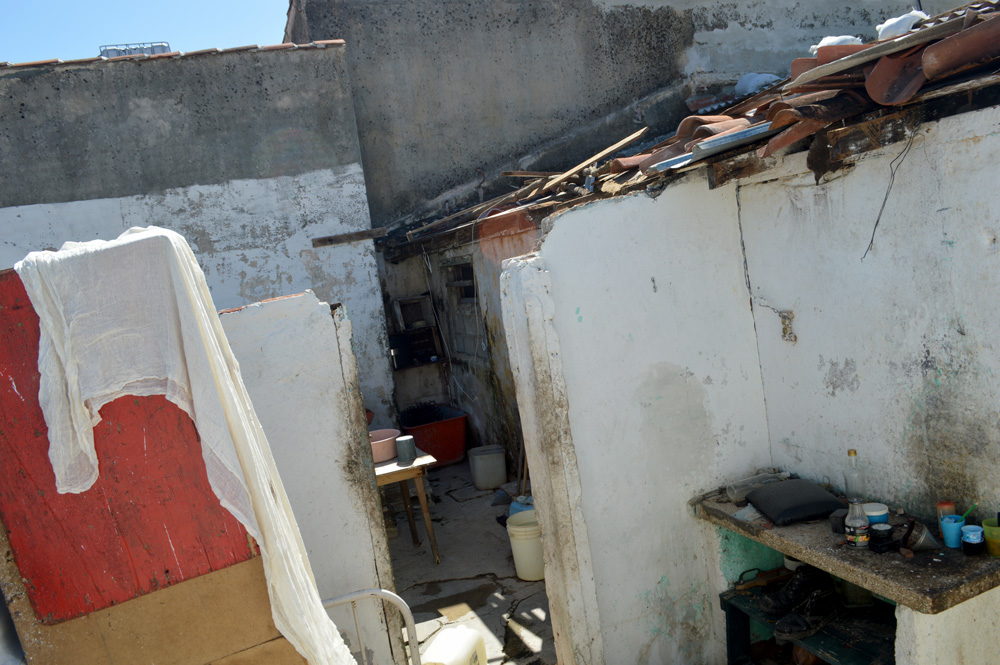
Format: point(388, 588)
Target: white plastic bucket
point(489, 469)
point(526, 543)
point(456, 645)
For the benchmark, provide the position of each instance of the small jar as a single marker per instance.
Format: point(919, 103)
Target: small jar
point(944, 508)
point(856, 528)
point(881, 532)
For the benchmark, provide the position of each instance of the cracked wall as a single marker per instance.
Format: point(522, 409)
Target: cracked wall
point(895, 354)
point(643, 293)
point(671, 321)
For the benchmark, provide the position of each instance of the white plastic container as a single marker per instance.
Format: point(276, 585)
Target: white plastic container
point(876, 512)
point(526, 543)
point(456, 645)
point(489, 469)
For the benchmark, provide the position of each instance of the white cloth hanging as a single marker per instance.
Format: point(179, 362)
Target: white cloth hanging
point(134, 316)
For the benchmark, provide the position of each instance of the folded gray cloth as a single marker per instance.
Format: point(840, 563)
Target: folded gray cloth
point(792, 501)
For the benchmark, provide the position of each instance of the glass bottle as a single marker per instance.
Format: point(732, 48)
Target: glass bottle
point(854, 477)
point(856, 525)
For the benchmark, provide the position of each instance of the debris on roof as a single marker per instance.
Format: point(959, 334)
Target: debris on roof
point(853, 96)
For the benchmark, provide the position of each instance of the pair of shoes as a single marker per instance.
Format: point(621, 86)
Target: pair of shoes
point(817, 611)
point(804, 582)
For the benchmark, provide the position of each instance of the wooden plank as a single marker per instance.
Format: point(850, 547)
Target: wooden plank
point(474, 210)
point(871, 134)
point(529, 174)
point(862, 636)
point(739, 166)
point(150, 521)
point(344, 238)
point(552, 183)
point(275, 652)
point(199, 621)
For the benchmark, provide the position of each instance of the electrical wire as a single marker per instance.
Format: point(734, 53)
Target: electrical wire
point(893, 167)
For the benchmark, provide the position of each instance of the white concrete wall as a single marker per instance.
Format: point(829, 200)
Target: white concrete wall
point(253, 240)
point(665, 391)
point(296, 361)
point(897, 355)
point(656, 344)
point(962, 635)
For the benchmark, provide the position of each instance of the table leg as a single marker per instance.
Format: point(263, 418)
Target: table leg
point(419, 482)
point(404, 489)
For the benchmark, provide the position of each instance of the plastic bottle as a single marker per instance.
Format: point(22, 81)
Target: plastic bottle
point(856, 526)
point(854, 477)
point(944, 508)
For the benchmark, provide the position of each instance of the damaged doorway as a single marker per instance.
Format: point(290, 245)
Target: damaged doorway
point(475, 584)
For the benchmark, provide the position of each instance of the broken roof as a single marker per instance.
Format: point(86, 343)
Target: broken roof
point(847, 99)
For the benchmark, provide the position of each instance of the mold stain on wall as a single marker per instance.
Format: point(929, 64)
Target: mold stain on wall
point(952, 440)
point(676, 620)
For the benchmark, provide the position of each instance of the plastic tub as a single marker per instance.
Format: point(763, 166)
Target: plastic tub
point(877, 513)
point(437, 430)
point(489, 467)
point(456, 645)
point(526, 543)
point(383, 444)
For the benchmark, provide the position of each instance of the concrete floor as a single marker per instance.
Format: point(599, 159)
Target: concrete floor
point(475, 584)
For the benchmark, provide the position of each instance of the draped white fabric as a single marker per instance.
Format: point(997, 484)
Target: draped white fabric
point(134, 316)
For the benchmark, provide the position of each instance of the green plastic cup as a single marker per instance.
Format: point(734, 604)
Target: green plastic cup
point(992, 531)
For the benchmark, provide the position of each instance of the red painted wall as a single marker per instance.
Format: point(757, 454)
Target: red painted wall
point(150, 520)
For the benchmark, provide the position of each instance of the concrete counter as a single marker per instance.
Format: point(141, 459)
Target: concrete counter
point(931, 582)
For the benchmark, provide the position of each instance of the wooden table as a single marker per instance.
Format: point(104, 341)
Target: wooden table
point(393, 472)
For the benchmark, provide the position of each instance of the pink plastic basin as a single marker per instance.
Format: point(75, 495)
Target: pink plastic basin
point(383, 444)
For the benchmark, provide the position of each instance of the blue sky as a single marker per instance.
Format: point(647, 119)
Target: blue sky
point(68, 29)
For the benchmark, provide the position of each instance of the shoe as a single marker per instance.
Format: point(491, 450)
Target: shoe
point(805, 580)
point(817, 611)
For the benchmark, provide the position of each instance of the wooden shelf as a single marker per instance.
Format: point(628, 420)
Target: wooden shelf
point(864, 636)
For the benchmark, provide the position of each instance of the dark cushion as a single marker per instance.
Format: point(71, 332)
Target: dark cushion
point(792, 501)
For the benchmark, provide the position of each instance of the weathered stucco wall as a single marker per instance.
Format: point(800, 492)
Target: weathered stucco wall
point(895, 355)
point(443, 88)
point(296, 361)
point(959, 635)
point(112, 129)
point(643, 293)
point(248, 154)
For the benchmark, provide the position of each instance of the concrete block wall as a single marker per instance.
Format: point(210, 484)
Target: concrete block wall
point(443, 88)
point(248, 154)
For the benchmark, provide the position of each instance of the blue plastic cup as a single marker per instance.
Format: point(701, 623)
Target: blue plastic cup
point(951, 529)
point(972, 533)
